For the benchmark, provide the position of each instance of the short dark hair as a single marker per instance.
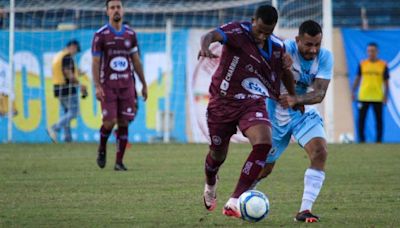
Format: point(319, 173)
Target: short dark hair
point(310, 27)
point(74, 42)
point(111, 1)
point(373, 44)
point(267, 13)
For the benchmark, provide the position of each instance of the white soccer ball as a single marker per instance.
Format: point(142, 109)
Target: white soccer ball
point(253, 205)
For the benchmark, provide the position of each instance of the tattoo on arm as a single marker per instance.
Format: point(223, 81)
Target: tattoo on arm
point(320, 87)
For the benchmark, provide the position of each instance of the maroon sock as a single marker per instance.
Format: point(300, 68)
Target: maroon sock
point(104, 134)
point(252, 168)
point(211, 168)
point(122, 140)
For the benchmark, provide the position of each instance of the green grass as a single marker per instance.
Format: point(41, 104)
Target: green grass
point(61, 186)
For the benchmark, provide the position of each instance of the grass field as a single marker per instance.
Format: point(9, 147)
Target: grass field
point(61, 186)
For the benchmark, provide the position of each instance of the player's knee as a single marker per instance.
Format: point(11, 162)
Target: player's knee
point(218, 154)
point(320, 154)
point(109, 124)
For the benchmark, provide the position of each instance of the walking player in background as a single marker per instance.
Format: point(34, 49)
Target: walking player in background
point(372, 77)
point(312, 70)
point(115, 51)
point(250, 69)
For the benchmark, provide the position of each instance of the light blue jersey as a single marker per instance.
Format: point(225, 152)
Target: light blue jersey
point(288, 122)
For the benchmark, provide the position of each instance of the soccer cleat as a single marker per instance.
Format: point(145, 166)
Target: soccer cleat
point(231, 209)
point(306, 216)
point(53, 134)
point(120, 167)
point(101, 159)
point(210, 196)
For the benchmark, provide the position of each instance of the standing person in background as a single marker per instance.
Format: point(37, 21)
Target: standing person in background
point(66, 87)
point(251, 68)
point(372, 77)
point(115, 52)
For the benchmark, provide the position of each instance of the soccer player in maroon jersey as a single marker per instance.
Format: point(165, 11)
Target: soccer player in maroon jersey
point(115, 51)
point(251, 68)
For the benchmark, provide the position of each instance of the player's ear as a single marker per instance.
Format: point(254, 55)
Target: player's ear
point(297, 39)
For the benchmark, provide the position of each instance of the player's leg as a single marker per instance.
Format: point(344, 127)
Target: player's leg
point(311, 136)
point(72, 111)
point(53, 130)
point(362, 113)
point(378, 109)
point(126, 114)
point(220, 134)
point(109, 112)
point(280, 140)
point(255, 125)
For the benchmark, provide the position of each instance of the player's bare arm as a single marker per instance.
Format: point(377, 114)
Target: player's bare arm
point(320, 87)
point(355, 86)
point(96, 77)
point(69, 73)
point(137, 64)
point(206, 40)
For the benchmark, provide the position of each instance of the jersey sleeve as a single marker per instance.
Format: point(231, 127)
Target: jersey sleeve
point(135, 47)
point(290, 46)
point(231, 33)
point(325, 70)
point(97, 45)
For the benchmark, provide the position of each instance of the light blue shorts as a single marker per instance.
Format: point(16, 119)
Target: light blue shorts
point(304, 128)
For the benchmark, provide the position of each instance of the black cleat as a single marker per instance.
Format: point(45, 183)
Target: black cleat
point(120, 167)
point(306, 216)
point(101, 159)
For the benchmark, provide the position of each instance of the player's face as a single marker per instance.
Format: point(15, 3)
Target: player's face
point(115, 10)
point(372, 52)
point(309, 46)
point(261, 31)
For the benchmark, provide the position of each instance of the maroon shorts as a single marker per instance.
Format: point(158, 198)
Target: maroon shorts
point(224, 116)
point(119, 103)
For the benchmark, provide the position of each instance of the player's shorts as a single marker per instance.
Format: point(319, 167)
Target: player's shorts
point(119, 104)
point(224, 116)
point(303, 128)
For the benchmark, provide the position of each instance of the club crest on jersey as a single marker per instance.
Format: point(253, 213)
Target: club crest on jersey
point(127, 43)
point(119, 63)
point(254, 86)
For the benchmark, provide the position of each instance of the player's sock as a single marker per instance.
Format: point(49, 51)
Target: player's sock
point(211, 169)
point(104, 134)
point(313, 180)
point(122, 139)
point(252, 168)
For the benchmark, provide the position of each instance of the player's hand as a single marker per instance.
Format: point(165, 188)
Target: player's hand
point(206, 53)
point(287, 61)
point(283, 101)
point(100, 93)
point(300, 108)
point(287, 101)
point(144, 93)
point(84, 92)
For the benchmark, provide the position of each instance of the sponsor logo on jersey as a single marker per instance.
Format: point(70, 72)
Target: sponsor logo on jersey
point(254, 86)
point(119, 63)
point(232, 67)
point(127, 43)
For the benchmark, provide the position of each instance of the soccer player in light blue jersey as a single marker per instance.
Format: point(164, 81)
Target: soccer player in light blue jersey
point(312, 70)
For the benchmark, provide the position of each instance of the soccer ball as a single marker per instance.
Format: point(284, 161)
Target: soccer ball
point(254, 205)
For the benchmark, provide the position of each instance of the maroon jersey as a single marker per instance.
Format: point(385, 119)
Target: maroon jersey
point(245, 70)
point(115, 49)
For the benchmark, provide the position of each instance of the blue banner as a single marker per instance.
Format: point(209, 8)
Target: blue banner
point(355, 44)
point(36, 108)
